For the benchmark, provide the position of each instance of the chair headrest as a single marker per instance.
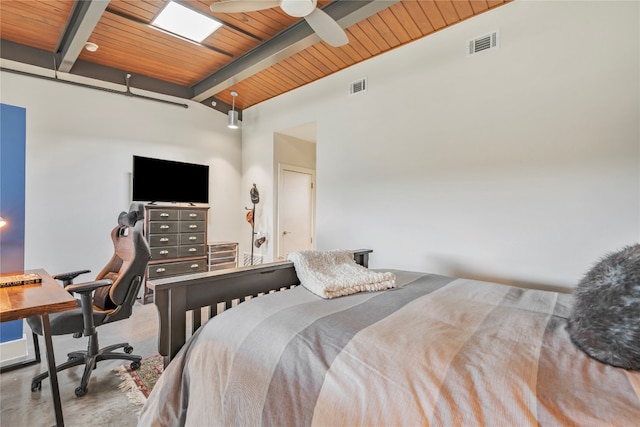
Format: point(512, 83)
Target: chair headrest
point(135, 214)
point(137, 207)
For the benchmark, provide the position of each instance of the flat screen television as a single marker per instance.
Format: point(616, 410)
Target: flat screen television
point(157, 180)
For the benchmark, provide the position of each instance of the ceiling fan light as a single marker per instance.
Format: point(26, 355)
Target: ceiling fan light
point(233, 119)
point(298, 8)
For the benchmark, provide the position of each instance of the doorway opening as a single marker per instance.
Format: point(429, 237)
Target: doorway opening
point(294, 181)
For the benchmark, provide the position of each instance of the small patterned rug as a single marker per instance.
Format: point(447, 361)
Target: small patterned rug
point(139, 383)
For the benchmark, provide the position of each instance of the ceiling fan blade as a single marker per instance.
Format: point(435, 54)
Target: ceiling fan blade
point(239, 6)
point(327, 28)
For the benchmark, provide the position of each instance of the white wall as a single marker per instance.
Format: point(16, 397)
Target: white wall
point(80, 144)
point(519, 165)
point(294, 151)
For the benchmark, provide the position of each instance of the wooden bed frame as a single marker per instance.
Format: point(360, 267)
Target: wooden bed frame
point(179, 297)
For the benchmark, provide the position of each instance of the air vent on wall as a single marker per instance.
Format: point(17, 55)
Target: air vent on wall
point(358, 86)
point(479, 44)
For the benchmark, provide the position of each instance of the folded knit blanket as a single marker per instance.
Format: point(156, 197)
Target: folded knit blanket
point(331, 274)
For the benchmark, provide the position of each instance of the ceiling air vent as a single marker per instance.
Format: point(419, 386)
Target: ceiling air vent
point(485, 42)
point(358, 86)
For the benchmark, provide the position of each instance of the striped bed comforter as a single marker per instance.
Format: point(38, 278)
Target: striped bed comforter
point(434, 351)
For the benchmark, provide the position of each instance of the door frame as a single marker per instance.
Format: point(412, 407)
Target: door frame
point(287, 167)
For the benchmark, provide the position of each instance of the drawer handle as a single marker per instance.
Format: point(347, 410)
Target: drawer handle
point(192, 215)
point(164, 227)
point(164, 214)
point(193, 238)
point(160, 270)
point(195, 265)
point(193, 226)
point(164, 239)
point(164, 252)
point(192, 249)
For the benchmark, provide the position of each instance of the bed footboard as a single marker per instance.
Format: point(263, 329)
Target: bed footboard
point(176, 298)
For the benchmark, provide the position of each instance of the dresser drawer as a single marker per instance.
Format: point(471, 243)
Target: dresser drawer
point(192, 215)
point(158, 240)
point(164, 214)
point(222, 247)
point(222, 256)
point(164, 252)
point(176, 268)
point(157, 227)
point(223, 266)
point(192, 250)
point(192, 226)
point(192, 238)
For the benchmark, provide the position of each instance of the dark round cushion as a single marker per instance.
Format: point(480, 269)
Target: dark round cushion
point(605, 319)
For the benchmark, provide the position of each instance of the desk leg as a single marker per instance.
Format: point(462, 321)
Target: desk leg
point(53, 374)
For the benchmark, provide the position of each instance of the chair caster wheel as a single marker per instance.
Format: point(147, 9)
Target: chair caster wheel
point(128, 349)
point(134, 366)
point(80, 391)
point(35, 386)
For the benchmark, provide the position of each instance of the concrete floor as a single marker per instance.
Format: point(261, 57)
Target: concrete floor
point(104, 404)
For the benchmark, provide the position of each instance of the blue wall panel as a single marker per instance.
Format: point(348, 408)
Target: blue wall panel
point(12, 200)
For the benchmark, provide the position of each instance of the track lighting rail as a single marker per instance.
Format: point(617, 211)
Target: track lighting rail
point(104, 89)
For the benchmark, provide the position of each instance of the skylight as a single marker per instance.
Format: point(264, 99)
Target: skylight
point(185, 22)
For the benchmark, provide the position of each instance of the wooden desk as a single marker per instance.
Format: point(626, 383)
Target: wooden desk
point(19, 302)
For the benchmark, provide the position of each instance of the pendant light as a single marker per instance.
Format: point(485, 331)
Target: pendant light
point(233, 114)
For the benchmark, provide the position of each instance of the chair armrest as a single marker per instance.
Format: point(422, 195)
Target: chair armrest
point(86, 302)
point(67, 278)
point(87, 287)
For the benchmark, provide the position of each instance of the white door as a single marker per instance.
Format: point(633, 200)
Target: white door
point(295, 209)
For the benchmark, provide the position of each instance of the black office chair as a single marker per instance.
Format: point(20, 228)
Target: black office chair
point(116, 289)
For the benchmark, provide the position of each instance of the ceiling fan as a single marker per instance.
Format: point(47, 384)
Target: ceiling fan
point(324, 25)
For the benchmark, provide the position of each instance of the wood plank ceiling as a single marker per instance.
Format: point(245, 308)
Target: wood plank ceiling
point(129, 44)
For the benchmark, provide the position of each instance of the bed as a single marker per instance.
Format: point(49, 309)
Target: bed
point(435, 350)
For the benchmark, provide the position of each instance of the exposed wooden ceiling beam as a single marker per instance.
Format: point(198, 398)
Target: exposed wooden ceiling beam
point(291, 41)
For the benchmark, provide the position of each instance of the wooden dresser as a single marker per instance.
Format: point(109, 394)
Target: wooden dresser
point(177, 237)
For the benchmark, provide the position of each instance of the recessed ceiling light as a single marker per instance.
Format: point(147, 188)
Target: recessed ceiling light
point(185, 22)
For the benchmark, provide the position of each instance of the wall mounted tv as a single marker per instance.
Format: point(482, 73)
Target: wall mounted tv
point(156, 180)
